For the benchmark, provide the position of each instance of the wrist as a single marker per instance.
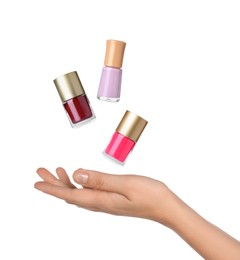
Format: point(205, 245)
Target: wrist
point(172, 207)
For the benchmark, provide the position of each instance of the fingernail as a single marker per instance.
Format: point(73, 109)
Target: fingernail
point(83, 178)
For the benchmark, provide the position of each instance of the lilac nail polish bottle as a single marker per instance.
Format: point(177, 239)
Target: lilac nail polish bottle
point(110, 83)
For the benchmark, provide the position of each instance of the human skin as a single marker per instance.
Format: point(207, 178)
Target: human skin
point(143, 197)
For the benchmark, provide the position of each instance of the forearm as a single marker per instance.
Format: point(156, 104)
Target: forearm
point(205, 238)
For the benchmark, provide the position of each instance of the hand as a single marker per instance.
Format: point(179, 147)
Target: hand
point(138, 196)
point(127, 195)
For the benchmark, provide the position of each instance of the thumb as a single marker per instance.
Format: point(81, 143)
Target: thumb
point(100, 181)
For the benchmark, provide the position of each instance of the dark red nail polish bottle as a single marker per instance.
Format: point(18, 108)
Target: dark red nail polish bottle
point(74, 99)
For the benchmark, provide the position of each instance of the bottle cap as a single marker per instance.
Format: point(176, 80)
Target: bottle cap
point(114, 53)
point(69, 86)
point(131, 126)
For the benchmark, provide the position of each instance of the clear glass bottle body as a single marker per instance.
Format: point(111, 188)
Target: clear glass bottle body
point(78, 110)
point(119, 147)
point(110, 84)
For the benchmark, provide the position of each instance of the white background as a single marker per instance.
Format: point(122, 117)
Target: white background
point(180, 72)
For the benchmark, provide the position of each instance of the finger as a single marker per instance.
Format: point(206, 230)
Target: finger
point(62, 175)
point(94, 200)
point(46, 175)
point(49, 177)
point(101, 181)
point(81, 197)
point(60, 192)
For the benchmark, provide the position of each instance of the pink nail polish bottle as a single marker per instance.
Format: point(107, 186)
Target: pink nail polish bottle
point(110, 83)
point(124, 139)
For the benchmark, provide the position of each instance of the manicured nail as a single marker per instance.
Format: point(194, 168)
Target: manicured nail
point(83, 178)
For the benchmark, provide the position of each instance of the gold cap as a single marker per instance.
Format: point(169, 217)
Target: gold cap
point(69, 86)
point(114, 53)
point(131, 126)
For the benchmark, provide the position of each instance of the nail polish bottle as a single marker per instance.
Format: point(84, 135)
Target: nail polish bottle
point(74, 99)
point(110, 83)
point(124, 139)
